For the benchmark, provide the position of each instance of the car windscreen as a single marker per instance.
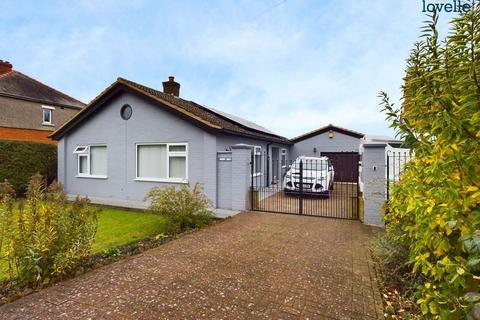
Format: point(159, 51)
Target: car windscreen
point(311, 165)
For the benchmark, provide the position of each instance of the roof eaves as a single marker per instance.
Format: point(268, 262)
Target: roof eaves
point(263, 137)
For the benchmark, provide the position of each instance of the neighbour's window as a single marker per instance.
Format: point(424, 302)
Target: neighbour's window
point(92, 161)
point(257, 160)
point(47, 115)
point(283, 157)
point(162, 162)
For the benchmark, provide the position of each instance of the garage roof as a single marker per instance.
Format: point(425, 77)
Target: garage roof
point(327, 128)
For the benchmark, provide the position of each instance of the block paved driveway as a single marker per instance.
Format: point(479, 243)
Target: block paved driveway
point(253, 266)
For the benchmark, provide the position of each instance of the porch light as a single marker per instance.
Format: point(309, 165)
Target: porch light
point(330, 134)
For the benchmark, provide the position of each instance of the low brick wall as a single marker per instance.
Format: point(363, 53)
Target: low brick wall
point(16, 134)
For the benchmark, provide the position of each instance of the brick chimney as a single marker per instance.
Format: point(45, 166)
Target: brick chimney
point(171, 86)
point(5, 67)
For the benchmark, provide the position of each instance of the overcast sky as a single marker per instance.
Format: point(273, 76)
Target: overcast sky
point(291, 66)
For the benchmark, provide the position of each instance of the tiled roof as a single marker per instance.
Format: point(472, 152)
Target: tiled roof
point(194, 111)
point(18, 85)
point(206, 114)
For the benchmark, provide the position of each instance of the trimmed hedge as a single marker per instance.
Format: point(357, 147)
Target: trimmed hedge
point(20, 160)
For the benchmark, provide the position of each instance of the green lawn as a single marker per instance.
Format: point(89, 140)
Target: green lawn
point(118, 227)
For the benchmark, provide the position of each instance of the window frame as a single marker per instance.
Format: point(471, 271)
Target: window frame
point(167, 164)
point(86, 153)
point(83, 155)
point(50, 110)
point(283, 162)
point(257, 174)
point(81, 149)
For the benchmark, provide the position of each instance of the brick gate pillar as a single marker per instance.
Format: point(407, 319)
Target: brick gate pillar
point(374, 182)
point(241, 157)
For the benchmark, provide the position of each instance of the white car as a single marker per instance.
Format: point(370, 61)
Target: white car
point(317, 176)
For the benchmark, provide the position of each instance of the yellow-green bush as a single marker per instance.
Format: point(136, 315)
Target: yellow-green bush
point(435, 207)
point(44, 236)
point(186, 208)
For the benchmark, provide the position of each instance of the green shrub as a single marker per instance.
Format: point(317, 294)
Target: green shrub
point(20, 160)
point(48, 235)
point(186, 208)
point(392, 258)
point(434, 210)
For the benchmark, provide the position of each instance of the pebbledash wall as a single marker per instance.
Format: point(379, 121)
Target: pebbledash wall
point(120, 137)
point(30, 116)
point(121, 187)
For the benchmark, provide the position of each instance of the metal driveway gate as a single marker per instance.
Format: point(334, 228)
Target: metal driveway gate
point(323, 187)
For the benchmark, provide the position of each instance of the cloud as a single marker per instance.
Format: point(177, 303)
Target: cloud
point(292, 78)
point(291, 66)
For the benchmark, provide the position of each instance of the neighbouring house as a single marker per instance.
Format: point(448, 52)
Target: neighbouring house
point(31, 110)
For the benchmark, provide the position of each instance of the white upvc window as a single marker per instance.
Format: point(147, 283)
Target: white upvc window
point(80, 149)
point(257, 161)
point(283, 158)
point(162, 162)
point(47, 115)
point(91, 161)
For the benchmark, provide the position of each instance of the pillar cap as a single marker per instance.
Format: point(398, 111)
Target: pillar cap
point(242, 146)
point(374, 145)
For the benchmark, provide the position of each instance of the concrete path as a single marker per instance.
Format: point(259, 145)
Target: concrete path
point(252, 266)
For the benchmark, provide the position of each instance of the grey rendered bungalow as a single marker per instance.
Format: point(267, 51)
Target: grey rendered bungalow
point(132, 138)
